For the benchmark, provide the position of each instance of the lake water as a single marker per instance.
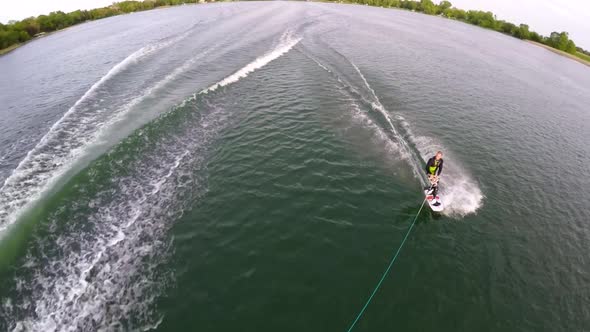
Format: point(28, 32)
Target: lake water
point(253, 167)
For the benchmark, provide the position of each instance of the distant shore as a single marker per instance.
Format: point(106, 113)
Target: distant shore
point(554, 50)
point(15, 46)
point(580, 57)
point(12, 47)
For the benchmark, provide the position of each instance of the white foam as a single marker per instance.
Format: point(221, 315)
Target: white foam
point(380, 137)
point(406, 151)
point(286, 44)
point(68, 139)
point(364, 119)
point(320, 64)
point(459, 191)
point(104, 131)
point(109, 281)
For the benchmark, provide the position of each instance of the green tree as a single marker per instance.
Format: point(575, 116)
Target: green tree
point(411, 5)
point(23, 36)
point(535, 37)
point(571, 47)
point(522, 32)
point(442, 6)
point(393, 3)
point(427, 6)
point(460, 14)
point(481, 18)
point(29, 25)
point(8, 38)
point(558, 40)
point(76, 17)
point(129, 6)
point(45, 23)
point(507, 27)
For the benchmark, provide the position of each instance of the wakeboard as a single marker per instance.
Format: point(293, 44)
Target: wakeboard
point(432, 201)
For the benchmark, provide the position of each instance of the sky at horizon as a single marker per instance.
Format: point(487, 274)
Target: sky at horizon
point(543, 16)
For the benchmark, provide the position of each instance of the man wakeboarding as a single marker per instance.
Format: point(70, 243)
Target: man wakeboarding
point(434, 167)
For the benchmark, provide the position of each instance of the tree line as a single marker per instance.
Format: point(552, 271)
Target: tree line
point(16, 32)
point(484, 19)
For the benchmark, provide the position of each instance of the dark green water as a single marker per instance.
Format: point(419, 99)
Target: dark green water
point(254, 166)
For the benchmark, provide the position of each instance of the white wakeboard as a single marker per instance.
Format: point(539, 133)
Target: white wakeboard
point(433, 200)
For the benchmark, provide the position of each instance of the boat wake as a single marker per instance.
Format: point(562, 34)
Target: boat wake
point(286, 43)
point(104, 246)
point(461, 192)
point(69, 140)
point(85, 131)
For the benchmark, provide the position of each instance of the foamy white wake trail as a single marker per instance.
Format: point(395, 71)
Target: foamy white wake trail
point(406, 150)
point(68, 139)
point(105, 282)
point(460, 192)
point(286, 43)
point(111, 279)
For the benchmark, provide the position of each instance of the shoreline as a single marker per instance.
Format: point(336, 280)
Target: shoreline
point(554, 50)
point(11, 48)
point(560, 52)
point(579, 59)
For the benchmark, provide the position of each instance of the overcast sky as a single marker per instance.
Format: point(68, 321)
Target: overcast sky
point(542, 16)
point(19, 9)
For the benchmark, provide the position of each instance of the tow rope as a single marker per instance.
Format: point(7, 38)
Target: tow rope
point(386, 270)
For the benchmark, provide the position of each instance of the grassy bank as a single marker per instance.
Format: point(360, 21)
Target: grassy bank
point(10, 48)
point(583, 56)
